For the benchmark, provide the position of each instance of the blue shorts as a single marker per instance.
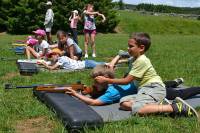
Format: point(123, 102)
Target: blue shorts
point(92, 63)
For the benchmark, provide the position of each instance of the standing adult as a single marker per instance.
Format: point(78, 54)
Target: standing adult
point(48, 23)
point(74, 18)
point(90, 28)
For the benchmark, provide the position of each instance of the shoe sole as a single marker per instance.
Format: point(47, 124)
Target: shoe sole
point(184, 102)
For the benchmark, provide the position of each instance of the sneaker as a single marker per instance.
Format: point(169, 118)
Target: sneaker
point(165, 101)
point(179, 81)
point(123, 54)
point(182, 108)
point(94, 55)
point(86, 56)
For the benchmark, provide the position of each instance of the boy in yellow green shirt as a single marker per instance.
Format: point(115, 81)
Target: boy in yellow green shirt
point(151, 89)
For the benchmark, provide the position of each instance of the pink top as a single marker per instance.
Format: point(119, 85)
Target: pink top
point(73, 23)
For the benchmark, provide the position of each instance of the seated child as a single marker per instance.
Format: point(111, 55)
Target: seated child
point(171, 85)
point(42, 46)
point(68, 46)
point(68, 63)
point(151, 89)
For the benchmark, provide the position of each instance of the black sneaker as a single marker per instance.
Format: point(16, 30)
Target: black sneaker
point(179, 81)
point(182, 108)
point(123, 54)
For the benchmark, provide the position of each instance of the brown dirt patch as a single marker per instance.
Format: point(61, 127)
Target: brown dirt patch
point(34, 125)
point(9, 76)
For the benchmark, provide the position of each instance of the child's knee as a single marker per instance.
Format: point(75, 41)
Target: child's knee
point(27, 48)
point(92, 42)
point(126, 105)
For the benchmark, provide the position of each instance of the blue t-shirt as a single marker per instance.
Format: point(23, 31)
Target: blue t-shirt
point(115, 92)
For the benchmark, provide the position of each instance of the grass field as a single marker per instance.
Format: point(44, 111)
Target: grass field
point(172, 55)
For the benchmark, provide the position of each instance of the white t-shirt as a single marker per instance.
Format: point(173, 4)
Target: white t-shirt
point(44, 44)
point(70, 64)
point(76, 47)
point(49, 18)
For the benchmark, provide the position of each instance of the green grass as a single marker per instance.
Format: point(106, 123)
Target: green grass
point(136, 22)
point(172, 55)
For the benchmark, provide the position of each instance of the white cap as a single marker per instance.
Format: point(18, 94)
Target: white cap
point(75, 11)
point(49, 3)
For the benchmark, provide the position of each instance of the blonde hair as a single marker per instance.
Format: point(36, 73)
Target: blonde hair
point(102, 70)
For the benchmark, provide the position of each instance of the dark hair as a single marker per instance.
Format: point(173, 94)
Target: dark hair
point(58, 34)
point(142, 38)
point(61, 33)
point(102, 70)
point(88, 5)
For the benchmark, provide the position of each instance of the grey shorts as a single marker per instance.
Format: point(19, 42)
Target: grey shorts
point(48, 28)
point(153, 93)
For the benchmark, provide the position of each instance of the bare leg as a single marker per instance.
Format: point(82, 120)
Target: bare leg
point(49, 38)
point(31, 51)
point(127, 105)
point(93, 44)
point(155, 108)
point(148, 108)
point(86, 44)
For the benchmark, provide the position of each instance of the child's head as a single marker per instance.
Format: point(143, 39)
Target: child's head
point(100, 70)
point(62, 36)
point(75, 12)
point(39, 34)
point(89, 7)
point(49, 4)
point(54, 56)
point(138, 43)
point(31, 42)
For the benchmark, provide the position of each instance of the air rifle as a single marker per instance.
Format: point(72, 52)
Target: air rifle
point(54, 88)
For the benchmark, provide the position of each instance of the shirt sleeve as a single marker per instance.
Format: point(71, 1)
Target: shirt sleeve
point(60, 62)
point(138, 69)
point(70, 42)
point(109, 97)
point(45, 44)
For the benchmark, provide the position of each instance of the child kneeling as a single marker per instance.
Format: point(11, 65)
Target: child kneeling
point(151, 89)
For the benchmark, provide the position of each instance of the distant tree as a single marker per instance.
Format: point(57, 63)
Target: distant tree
point(121, 4)
point(24, 16)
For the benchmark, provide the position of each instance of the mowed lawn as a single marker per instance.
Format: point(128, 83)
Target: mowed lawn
point(172, 54)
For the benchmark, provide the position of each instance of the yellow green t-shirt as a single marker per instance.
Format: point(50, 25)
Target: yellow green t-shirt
point(144, 72)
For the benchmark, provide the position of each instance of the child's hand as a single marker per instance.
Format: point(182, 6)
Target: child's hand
point(108, 65)
point(40, 61)
point(70, 91)
point(101, 79)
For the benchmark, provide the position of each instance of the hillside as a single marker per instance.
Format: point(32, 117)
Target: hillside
point(131, 21)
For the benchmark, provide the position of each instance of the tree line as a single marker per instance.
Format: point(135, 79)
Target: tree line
point(24, 16)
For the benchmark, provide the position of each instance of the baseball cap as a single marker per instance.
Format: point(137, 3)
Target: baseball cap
point(49, 3)
point(54, 52)
point(32, 41)
point(40, 32)
point(75, 11)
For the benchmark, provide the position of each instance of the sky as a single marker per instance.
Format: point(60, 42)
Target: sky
point(177, 3)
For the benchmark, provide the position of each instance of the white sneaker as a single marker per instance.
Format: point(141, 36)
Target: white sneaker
point(86, 56)
point(94, 55)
